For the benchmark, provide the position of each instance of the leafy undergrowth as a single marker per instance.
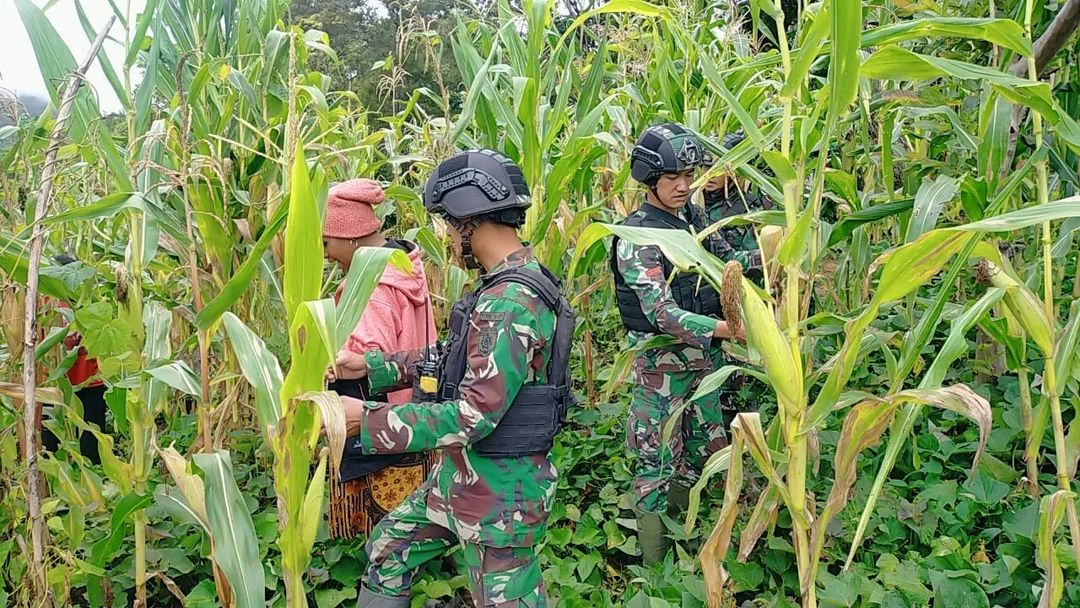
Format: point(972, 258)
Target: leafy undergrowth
point(937, 538)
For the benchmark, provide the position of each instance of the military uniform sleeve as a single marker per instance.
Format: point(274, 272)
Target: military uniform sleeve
point(643, 271)
point(502, 338)
point(746, 253)
point(388, 372)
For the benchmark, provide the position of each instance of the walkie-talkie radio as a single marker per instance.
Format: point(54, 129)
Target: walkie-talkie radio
point(426, 380)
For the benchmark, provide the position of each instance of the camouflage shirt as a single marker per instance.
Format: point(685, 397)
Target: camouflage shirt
point(734, 242)
point(498, 502)
point(643, 271)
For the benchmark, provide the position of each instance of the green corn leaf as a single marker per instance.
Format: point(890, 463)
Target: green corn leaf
point(144, 95)
point(303, 240)
point(929, 201)
point(367, 267)
point(843, 229)
point(242, 278)
point(844, 61)
point(260, 368)
point(142, 24)
point(808, 51)
point(104, 549)
point(236, 548)
point(1002, 32)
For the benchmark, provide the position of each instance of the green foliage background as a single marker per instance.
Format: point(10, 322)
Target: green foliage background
point(179, 211)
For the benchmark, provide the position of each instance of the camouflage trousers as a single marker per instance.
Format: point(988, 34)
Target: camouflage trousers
point(407, 538)
point(699, 433)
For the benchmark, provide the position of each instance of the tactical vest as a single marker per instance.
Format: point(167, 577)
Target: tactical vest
point(689, 290)
point(530, 424)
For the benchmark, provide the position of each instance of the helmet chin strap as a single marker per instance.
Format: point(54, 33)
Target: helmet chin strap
point(465, 228)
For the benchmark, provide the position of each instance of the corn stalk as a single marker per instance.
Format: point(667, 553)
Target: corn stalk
point(30, 331)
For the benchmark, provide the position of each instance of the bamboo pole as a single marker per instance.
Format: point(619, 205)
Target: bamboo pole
point(30, 426)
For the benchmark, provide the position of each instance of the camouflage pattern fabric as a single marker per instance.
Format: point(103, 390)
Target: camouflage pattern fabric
point(500, 577)
point(734, 242)
point(643, 271)
point(700, 432)
point(492, 502)
point(663, 377)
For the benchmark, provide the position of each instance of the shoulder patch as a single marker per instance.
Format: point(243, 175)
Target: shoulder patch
point(486, 340)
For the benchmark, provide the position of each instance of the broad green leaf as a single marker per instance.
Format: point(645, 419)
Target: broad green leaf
point(236, 548)
point(1026, 216)
point(793, 250)
point(994, 124)
point(261, 369)
point(808, 51)
point(895, 63)
point(242, 278)
point(850, 222)
point(1002, 32)
point(178, 375)
point(368, 264)
point(311, 512)
point(844, 60)
point(144, 95)
point(142, 24)
point(303, 240)
point(106, 206)
point(929, 201)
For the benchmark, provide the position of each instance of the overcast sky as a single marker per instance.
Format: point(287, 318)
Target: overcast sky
point(18, 65)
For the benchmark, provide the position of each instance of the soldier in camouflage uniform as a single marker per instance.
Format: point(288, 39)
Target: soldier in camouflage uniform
point(492, 484)
point(726, 196)
point(665, 160)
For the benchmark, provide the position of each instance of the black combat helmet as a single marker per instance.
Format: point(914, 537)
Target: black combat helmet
point(478, 183)
point(731, 140)
point(667, 148)
point(474, 186)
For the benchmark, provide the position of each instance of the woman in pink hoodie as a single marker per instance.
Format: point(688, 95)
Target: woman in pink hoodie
point(398, 317)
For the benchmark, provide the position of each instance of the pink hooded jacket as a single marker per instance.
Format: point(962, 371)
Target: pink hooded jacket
point(398, 317)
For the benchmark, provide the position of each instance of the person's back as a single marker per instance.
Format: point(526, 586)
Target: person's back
point(398, 317)
point(490, 413)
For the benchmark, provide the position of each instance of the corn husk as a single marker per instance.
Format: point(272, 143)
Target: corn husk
point(784, 371)
point(1026, 308)
point(13, 311)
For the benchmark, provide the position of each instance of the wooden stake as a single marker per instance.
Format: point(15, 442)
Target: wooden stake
point(30, 426)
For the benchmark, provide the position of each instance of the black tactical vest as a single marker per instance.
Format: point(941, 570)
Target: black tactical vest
point(690, 291)
point(539, 410)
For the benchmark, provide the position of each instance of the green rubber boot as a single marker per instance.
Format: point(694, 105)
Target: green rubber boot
point(371, 599)
point(678, 501)
point(653, 538)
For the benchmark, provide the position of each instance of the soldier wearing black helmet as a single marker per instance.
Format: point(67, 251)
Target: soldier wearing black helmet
point(665, 160)
point(490, 403)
